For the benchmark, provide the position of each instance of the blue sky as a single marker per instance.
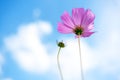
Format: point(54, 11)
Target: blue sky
point(28, 41)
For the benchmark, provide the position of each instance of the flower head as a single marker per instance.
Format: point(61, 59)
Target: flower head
point(60, 44)
point(80, 23)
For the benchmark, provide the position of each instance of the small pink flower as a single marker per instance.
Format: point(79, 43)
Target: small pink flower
point(80, 23)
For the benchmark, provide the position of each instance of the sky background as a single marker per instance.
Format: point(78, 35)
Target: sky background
point(28, 34)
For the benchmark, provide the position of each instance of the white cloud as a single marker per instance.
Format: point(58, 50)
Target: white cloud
point(31, 54)
point(27, 48)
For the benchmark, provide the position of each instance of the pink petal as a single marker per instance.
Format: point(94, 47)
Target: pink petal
point(87, 34)
point(88, 18)
point(89, 27)
point(64, 29)
point(67, 20)
point(77, 15)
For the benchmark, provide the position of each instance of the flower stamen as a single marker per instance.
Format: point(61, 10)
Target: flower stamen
point(78, 30)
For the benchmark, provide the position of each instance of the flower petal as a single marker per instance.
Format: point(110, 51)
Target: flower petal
point(91, 26)
point(64, 29)
point(88, 28)
point(67, 20)
point(87, 34)
point(88, 18)
point(77, 15)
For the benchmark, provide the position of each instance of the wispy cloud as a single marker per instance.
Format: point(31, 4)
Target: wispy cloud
point(108, 48)
point(36, 13)
point(7, 79)
point(1, 63)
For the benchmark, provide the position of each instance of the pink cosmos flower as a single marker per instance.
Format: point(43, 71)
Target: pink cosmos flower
point(80, 23)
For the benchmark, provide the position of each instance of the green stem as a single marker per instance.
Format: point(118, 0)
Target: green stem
point(82, 76)
point(58, 62)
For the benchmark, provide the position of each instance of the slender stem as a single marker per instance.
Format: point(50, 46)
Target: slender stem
point(58, 62)
point(82, 76)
